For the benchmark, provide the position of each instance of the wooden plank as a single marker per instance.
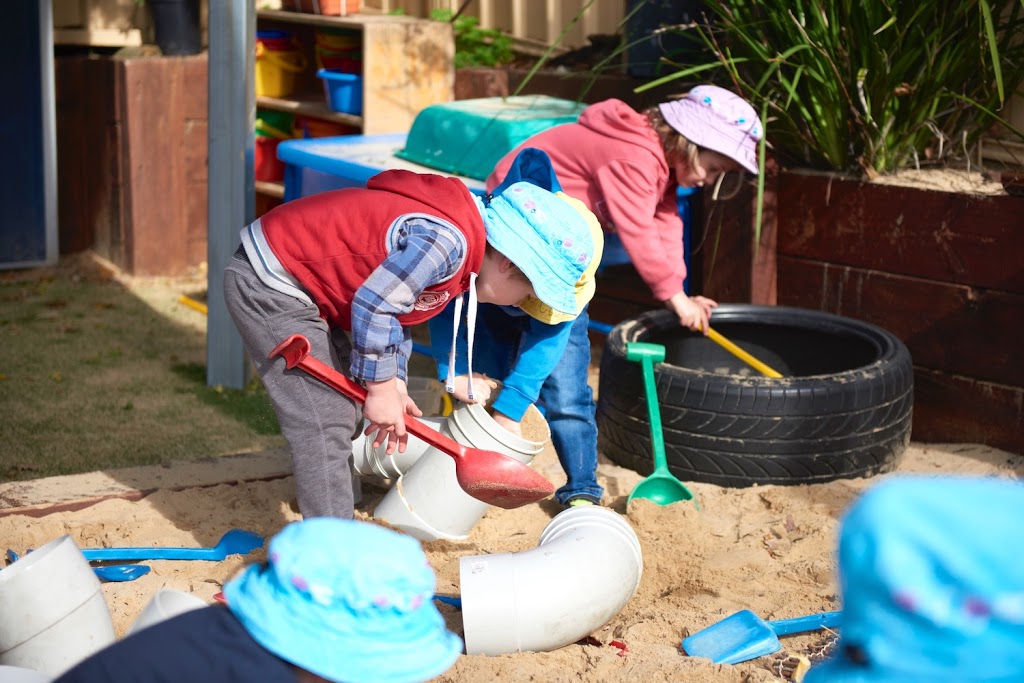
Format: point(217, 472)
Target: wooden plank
point(98, 37)
point(950, 237)
point(87, 143)
point(722, 247)
point(308, 105)
point(154, 92)
point(949, 408)
point(1006, 151)
point(36, 497)
point(406, 67)
point(275, 190)
point(948, 328)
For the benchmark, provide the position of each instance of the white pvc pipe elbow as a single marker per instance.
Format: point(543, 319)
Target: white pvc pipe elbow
point(585, 568)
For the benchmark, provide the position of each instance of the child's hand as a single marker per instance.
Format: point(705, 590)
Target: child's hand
point(508, 423)
point(408, 404)
point(385, 409)
point(692, 312)
point(482, 386)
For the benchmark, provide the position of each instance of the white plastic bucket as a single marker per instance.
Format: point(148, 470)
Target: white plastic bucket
point(53, 612)
point(585, 568)
point(17, 674)
point(427, 502)
point(166, 603)
point(370, 461)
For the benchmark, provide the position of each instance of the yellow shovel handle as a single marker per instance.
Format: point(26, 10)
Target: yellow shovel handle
point(742, 355)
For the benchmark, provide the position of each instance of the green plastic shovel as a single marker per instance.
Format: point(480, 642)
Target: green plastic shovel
point(661, 486)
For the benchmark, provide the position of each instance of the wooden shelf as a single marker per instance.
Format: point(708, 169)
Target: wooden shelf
point(354, 21)
point(105, 37)
point(408, 64)
point(308, 105)
point(275, 190)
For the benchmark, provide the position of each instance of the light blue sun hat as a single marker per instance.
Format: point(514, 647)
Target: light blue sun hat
point(932, 582)
point(544, 236)
point(349, 601)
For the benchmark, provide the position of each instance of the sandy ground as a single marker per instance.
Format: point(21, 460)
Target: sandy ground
point(768, 549)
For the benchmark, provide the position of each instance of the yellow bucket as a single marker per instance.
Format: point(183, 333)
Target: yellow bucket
point(276, 70)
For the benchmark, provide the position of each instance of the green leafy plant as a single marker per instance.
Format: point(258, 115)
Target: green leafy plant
point(866, 86)
point(475, 46)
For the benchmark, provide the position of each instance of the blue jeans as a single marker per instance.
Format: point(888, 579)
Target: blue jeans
point(566, 398)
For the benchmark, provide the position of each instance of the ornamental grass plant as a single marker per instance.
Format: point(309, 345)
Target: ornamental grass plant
point(865, 87)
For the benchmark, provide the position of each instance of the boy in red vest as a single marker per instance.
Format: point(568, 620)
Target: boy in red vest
point(353, 269)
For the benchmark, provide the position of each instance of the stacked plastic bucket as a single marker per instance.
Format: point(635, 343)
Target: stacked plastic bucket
point(278, 62)
point(271, 128)
point(339, 57)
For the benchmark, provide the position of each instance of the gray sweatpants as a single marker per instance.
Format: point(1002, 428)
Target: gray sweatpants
point(318, 422)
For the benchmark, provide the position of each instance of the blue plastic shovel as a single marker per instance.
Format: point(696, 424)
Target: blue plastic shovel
point(453, 600)
point(117, 572)
point(234, 542)
point(744, 635)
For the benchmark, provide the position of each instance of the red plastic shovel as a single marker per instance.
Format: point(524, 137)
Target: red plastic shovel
point(488, 476)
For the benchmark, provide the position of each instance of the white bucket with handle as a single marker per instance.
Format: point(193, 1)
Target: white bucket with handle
point(427, 502)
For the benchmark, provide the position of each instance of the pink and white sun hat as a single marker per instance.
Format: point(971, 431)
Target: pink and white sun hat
point(719, 120)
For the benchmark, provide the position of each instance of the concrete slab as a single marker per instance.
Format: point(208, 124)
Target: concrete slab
point(39, 497)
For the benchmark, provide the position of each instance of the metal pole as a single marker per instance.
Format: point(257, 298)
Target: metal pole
point(231, 193)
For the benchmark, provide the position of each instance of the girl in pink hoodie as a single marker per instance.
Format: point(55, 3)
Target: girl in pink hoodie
point(626, 166)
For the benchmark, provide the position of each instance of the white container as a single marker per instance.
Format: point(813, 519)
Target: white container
point(585, 568)
point(166, 603)
point(370, 461)
point(427, 502)
point(17, 674)
point(53, 613)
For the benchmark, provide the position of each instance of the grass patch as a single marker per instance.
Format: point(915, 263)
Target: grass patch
point(100, 372)
point(250, 406)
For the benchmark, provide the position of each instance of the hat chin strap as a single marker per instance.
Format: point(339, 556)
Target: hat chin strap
point(470, 336)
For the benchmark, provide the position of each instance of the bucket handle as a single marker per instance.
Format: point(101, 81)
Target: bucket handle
point(280, 62)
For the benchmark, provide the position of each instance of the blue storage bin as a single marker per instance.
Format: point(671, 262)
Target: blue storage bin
point(333, 163)
point(344, 91)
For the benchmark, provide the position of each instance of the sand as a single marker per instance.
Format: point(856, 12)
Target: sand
point(769, 549)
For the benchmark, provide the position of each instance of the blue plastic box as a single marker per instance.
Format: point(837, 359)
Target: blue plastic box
point(320, 164)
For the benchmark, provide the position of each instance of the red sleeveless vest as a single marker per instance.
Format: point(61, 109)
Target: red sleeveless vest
point(331, 242)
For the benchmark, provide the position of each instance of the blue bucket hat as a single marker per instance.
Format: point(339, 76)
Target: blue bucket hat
point(349, 601)
point(542, 234)
point(932, 584)
point(533, 165)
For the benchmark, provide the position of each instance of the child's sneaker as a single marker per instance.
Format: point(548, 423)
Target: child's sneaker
point(579, 501)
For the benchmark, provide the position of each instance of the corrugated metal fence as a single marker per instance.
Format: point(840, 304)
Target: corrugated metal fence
point(530, 21)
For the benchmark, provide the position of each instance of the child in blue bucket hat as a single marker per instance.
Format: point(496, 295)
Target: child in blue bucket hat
point(932, 584)
point(353, 270)
point(336, 600)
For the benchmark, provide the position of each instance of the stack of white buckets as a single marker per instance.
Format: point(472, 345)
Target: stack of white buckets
point(53, 613)
point(585, 568)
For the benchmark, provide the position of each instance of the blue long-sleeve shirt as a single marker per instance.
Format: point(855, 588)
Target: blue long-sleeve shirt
point(521, 363)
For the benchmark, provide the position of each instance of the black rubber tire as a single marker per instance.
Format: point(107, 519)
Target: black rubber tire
point(843, 408)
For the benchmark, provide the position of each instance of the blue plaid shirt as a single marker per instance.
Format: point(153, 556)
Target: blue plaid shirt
point(422, 253)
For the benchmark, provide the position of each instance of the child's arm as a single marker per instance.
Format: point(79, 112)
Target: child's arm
point(645, 217)
point(422, 253)
point(540, 350)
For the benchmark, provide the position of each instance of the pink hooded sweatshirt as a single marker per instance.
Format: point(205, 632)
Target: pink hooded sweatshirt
point(612, 160)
